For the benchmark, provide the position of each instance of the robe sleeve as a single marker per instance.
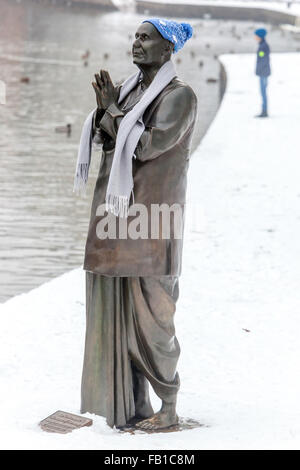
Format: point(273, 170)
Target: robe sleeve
point(172, 119)
point(111, 120)
point(98, 136)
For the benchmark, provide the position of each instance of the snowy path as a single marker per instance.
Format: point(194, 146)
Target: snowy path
point(241, 272)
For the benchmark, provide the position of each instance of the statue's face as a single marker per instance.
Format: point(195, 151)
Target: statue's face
point(149, 46)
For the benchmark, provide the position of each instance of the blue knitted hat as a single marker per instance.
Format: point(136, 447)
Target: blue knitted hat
point(177, 33)
point(261, 32)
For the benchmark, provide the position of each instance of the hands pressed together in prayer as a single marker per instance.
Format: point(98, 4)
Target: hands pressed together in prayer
point(106, 93)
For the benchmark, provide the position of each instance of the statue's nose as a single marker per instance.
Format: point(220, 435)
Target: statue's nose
point(137, 43)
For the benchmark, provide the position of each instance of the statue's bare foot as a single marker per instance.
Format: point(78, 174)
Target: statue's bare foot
point(160, 420)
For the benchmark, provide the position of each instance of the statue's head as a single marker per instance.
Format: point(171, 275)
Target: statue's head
point(150, 47)
point(157, 39)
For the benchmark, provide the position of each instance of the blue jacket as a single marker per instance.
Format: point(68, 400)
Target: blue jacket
point(263, 59)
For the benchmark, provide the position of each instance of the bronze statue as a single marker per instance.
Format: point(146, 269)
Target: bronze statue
point(132, 283)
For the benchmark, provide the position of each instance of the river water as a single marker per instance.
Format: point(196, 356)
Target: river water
point(43, 225)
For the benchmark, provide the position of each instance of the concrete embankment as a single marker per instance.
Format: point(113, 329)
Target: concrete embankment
point(230, 12)
point(97, 4)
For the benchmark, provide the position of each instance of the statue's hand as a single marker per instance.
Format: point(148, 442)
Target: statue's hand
point(98, 95)
point(106, 93)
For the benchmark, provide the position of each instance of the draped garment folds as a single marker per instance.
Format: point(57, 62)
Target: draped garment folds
point(132, 285)
point(123, 316)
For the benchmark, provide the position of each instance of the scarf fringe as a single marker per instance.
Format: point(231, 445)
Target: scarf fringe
point(81, 178)
point(117, 205)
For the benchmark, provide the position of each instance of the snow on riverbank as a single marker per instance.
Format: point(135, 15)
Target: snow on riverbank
point(238, 315)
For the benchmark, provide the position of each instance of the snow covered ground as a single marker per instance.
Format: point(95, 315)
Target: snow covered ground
point(238, 314)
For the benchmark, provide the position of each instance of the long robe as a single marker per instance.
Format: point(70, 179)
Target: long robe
point(129, 321)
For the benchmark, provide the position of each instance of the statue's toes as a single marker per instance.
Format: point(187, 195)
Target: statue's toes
point(146, 424)
point(155, 424)
point(150, 426)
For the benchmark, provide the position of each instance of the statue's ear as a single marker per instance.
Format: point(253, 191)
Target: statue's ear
point(169, 47)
